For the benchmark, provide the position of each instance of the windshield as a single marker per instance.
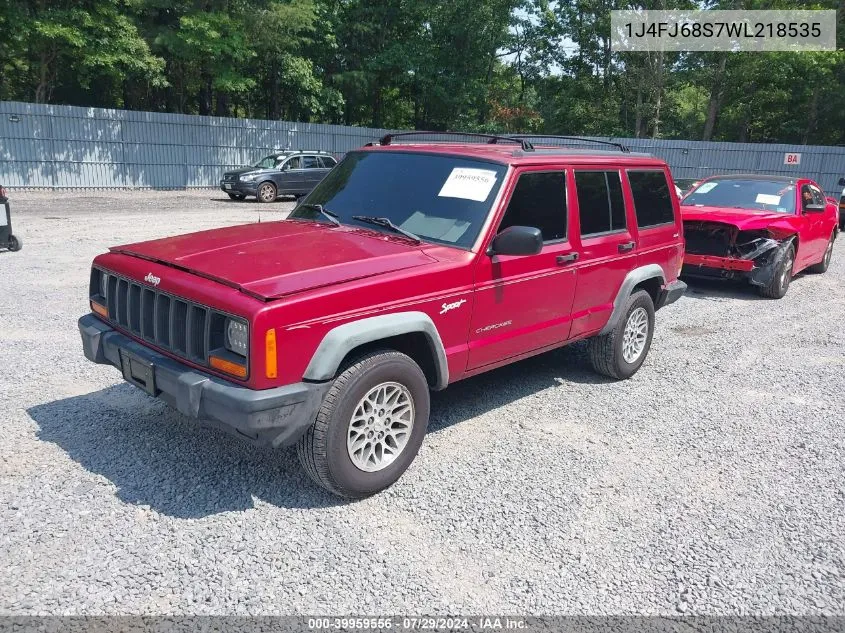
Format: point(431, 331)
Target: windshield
point(442, 199)
point(765, 195)
point(269, 162)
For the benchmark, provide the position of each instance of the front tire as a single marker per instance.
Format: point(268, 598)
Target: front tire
point(236, 196)
point(824, 264)
point(15, 243)
point(777, 287)
point(371, 425)
point(620, 353)
point(267, 192)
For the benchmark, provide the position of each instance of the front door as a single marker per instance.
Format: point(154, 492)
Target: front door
point(292, 179)
point(522, 303)
point(606, 248)
point(810, 227)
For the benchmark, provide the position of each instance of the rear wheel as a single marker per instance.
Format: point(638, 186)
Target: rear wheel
point(824, 264)
point(370, 426)
point(15, 243)
point(266, 192)
point(620, 353)
point(779, 284)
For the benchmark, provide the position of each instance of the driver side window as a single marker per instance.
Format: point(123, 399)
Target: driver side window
point(293, 163)
point(539, 201)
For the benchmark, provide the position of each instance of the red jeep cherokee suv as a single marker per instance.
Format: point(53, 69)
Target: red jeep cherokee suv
point(409, 267)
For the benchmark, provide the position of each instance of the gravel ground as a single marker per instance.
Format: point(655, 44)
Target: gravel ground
point(713, 482)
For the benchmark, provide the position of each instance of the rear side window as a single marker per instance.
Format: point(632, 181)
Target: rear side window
point(652, 201)
point(328, 161)
point(601, 207)
point(539, 200)
point(310, 162)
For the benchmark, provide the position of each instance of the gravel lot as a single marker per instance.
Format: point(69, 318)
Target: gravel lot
point(713, 482)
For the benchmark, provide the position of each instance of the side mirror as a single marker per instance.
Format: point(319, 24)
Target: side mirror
point(814, 208)
point(842, 182)
point(517, 240)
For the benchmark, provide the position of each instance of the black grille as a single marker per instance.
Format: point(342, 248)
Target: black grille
point(176, 325)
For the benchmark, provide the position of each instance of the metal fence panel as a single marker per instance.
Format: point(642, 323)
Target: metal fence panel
point(47, 146)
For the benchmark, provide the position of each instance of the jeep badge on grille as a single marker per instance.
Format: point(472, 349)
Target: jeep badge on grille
point(151, 278)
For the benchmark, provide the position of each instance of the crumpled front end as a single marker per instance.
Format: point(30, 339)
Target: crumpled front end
point(719, 250)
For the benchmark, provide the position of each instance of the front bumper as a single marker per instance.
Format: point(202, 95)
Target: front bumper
point(271, 417)
point(671, 293)
point(758, 272)
point(721, 263)
point(238, 186)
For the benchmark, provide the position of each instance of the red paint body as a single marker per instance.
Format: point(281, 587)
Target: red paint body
point(304, 278)
point(812, 230)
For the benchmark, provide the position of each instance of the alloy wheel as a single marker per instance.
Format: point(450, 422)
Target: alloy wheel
point(786, 273)
point(635, 335)
point(380, 427)
point(267, 193)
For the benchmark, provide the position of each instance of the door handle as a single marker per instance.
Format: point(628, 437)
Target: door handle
point(627, 246)
point(565, 259)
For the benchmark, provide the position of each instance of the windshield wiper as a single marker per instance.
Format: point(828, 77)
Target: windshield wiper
point(333, 217)
point(388, 224)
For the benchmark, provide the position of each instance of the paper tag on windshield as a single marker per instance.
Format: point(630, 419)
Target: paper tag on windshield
point(767, 198)
point(707, 186)
point(468, 183)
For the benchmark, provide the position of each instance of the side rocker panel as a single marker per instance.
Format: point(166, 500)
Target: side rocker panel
point(343, 339)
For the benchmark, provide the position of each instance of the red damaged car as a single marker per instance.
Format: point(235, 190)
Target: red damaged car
point(764, 229)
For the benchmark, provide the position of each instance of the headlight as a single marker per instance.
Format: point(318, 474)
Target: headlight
point(104, 285)
point(237, 337)
point(249, 177)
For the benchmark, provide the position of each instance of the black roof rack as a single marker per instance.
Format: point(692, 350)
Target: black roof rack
point(620, 146)
point(492, 139)
point(300, 151)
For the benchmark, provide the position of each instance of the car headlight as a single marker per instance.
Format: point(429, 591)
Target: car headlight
point(104, 285)
point(249, 177)
point(237, 337)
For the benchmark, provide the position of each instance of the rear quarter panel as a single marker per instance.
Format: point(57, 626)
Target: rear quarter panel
point(662, 244)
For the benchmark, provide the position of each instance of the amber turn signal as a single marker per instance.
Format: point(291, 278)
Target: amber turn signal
point(103, 311)
point(227, 366)
point(270, 354)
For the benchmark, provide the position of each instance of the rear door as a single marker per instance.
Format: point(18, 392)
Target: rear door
point(606, 247)
point(657, 227)
point(522, 303)
point(314, 171)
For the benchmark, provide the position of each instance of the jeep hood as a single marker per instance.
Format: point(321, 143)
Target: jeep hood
point(743, 219)
point(275, 259)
